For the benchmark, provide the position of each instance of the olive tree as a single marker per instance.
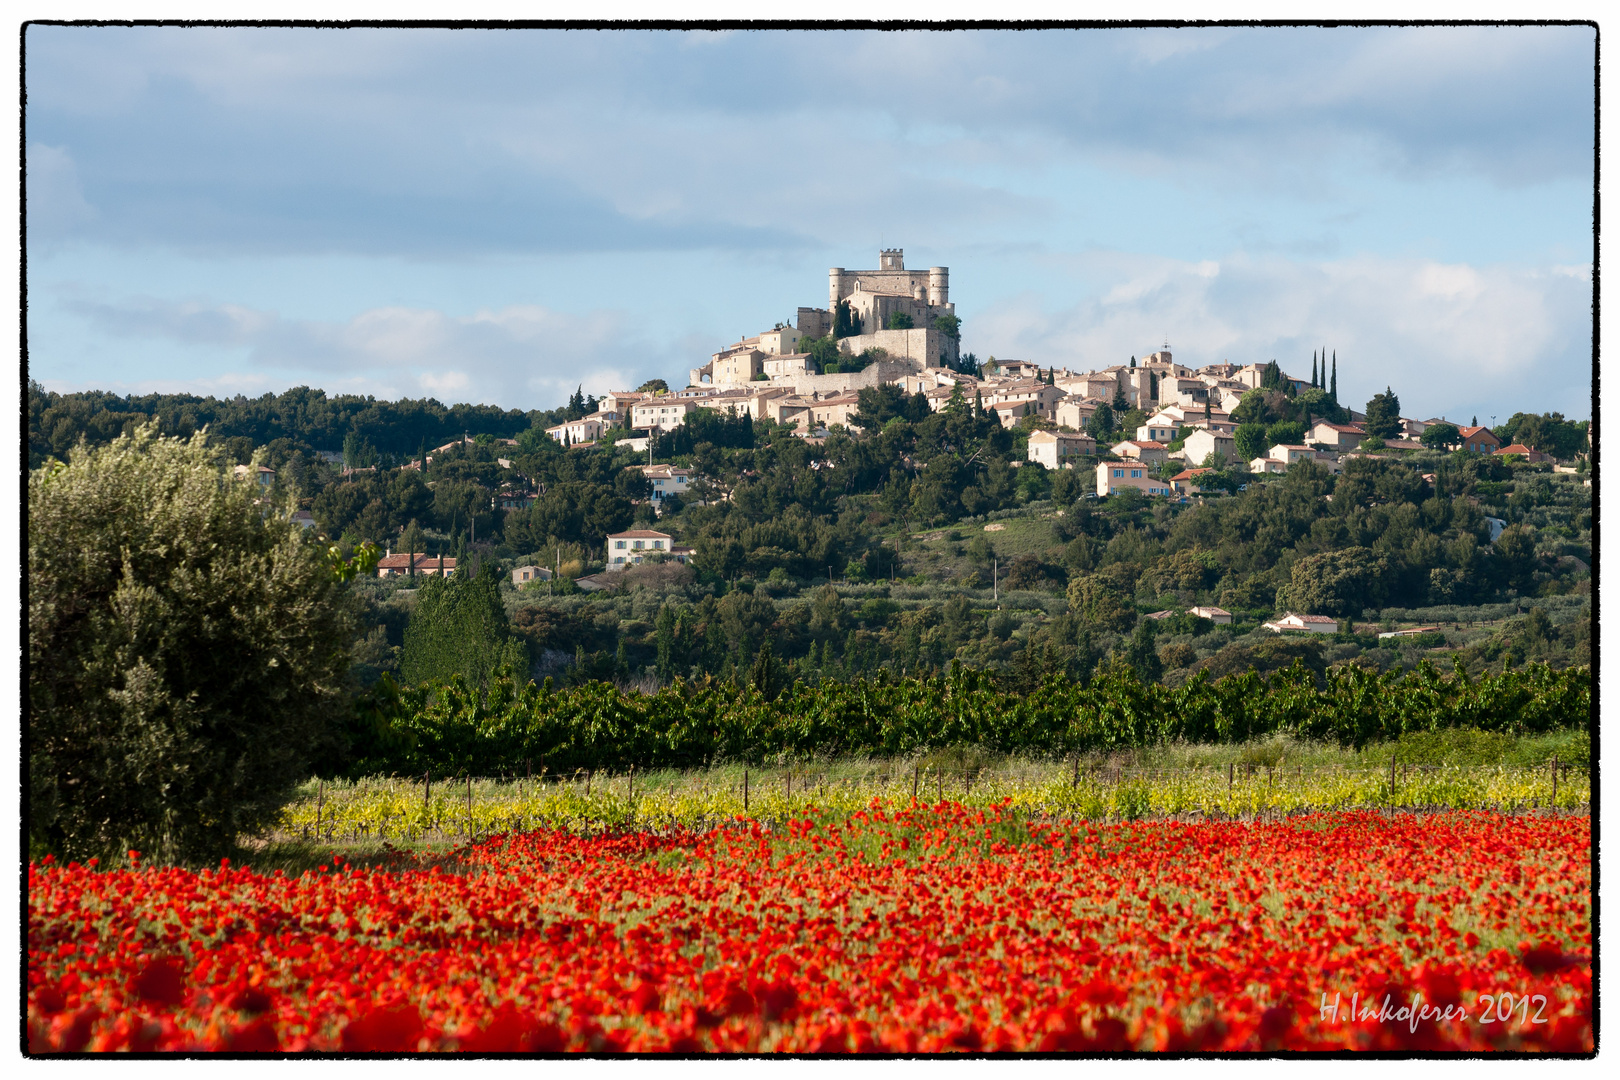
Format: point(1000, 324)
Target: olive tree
point(187, 645)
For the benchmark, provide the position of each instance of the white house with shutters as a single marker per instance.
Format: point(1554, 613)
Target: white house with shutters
point(632, 547)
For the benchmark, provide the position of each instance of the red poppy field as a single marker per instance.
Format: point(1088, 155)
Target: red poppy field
point(921, 930)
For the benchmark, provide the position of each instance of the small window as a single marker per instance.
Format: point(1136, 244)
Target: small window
point(618, 545)
point(1136, 474)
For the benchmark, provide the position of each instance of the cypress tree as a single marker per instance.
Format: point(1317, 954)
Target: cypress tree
point(668, 637)
point(1313, 369)
point(459, 626)
point(1334, 393)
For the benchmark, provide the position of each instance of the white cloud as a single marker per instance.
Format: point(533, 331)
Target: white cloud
point(524, 356)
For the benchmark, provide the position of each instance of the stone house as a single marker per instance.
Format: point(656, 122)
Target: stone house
point(392, 565)
point(666, 480)
point(1011, 413)
point(1310, 624)
point(1186, 481)
point(1137, 450)
point(1114, 475)
point(662, 413)
point(523, 575)
point(1481, 440)
point(1060, 449)
point(1336, 436)
point(1197, 447)
point(630, 548)
point(1074, 412)
point(1524, 452)
point(584, 430)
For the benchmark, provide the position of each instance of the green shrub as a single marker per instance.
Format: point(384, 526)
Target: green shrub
point(186, 652)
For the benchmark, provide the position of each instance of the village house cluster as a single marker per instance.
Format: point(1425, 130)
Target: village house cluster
point(897, 326)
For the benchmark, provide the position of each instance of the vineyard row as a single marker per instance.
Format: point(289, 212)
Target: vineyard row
point(448, 729)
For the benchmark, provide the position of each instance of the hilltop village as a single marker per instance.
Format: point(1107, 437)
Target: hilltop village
point(859, 492)
point(897, 327)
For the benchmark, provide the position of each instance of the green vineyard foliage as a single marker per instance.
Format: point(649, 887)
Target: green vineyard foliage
point(450, 729)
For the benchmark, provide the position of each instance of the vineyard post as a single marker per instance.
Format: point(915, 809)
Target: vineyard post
point(1392, 783)
point(789, 782)
point(745, 781)
point(1076, 771)
point(1231, 772)
point(916, 776)
point(469, 804)
point(588, 774)
point(1554, 803)
point(320, 797)
point(427, 788)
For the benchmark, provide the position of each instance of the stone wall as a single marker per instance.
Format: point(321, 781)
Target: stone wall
point(884, 371)
point(923, 344)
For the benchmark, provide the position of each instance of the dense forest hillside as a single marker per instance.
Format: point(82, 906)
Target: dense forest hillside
point(924, 538)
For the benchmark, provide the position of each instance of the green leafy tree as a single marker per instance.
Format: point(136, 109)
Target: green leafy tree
point(666, 628)
point(949, 325)
point(1339, 582)
point(880, 404)
point(1252, 409)
point(358, 452)
point(1440, 436)
point(1141, 655)
point(845, 322)
point(186, 652)
point(1098, 603)
point(824, 354)
point(899, 320)
point(1384, 415)
point(653, 386)
point(1101, 422)
point(1251, 442)
point(459, 627)
point(1548, 432)
point(1285, 433)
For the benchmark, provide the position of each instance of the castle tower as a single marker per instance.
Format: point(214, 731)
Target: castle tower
point(939, 286)
point(835, 290)
point(892, 259)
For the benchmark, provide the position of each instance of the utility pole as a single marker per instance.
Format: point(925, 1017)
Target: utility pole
point(995, 580)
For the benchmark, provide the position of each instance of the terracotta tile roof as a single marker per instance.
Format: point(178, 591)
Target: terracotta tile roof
point(403, 562)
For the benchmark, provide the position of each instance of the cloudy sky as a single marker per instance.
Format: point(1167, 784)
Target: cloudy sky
point(498, 216)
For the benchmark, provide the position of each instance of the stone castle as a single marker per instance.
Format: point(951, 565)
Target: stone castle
point(867, 300)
